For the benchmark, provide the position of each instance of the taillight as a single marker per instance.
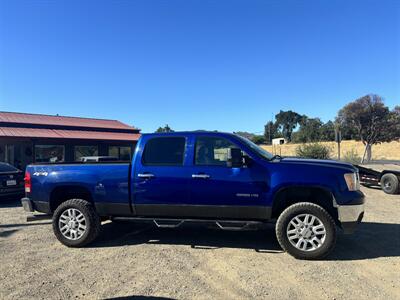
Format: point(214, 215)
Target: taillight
point(28, 182)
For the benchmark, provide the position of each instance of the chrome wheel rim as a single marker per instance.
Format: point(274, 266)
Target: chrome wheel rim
point(306, 232)
point(72, 224)
point(387, 184)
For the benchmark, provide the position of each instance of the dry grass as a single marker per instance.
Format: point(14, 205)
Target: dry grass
point(382, 151)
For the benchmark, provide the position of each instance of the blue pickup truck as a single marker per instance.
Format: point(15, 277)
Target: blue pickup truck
point(205, 177)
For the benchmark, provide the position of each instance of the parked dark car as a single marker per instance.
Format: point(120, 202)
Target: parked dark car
point(11, 181)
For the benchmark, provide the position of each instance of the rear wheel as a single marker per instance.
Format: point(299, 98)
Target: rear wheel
point(390, 183)
point(76, 223)
point(306, 231)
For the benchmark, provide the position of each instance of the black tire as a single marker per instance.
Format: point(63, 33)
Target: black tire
point(299, 209)
point(91, 221)
point(390, 183)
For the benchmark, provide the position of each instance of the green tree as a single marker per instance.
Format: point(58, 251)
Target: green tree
point(348, 132)
point(268, 128)
point(327, 131)
point(166, 128)
point(286, 122)
point(309, 131)
point(372, 120)
point(396, 121)
point(271, 132)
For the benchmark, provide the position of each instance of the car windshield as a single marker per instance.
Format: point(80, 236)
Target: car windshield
point(257, 149)
point(7, 168)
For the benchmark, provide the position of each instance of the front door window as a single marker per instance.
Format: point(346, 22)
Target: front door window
point(212, 151)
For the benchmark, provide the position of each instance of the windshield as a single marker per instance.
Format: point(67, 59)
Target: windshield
point(257, 149)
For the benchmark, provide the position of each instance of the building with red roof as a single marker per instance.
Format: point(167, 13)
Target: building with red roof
point(27, 138)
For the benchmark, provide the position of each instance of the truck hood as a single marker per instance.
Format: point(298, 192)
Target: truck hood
point(320, 162)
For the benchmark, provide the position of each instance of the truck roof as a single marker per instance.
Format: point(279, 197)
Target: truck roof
point(194, 132)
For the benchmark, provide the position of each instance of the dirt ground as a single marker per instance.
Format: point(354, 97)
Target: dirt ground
point(141, 261)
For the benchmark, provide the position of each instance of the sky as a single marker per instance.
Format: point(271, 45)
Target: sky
point(218, 65)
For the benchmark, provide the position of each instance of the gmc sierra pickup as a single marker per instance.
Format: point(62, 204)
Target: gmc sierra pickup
point(201, 177)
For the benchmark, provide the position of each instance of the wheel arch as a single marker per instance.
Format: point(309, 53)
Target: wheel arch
point(289, 195)
point(63, 193)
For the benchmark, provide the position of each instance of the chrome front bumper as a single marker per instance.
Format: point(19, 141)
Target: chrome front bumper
point(350, 216)
point(350, 213)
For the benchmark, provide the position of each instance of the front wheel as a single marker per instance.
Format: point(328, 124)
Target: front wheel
point(306, 231)
point(76, 223)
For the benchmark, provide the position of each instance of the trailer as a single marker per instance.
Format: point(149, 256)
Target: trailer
point(387, 179)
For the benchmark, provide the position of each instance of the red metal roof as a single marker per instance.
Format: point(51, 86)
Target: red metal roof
point(23, 118)
point(66, 134)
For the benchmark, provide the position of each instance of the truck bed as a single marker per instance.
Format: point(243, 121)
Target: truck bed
point(105, 182)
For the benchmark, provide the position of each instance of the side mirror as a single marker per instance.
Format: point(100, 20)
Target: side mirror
point(235, 158)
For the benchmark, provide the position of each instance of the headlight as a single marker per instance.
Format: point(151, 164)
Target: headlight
point(352, 181)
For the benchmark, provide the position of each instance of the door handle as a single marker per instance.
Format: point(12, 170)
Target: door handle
point(145, 175)
point(202, 176)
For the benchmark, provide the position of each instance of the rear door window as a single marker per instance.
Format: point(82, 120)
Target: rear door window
point(164, 151)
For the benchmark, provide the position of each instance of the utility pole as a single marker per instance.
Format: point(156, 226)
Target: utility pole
point(269, 135)
point(272, 124)
point(338, 138)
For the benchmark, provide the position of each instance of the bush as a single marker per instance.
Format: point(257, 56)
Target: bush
point(314, 150)
point(352, 157)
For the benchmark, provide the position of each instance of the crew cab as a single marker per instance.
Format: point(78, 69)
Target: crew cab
point(202, 177)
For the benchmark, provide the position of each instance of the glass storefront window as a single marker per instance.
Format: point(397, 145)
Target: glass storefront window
point(125, 153)
point(49, 153)
point(82, 151)
point(122, 152)
point(113, 151)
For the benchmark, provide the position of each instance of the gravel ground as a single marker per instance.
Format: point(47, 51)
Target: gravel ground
point(136, 260)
